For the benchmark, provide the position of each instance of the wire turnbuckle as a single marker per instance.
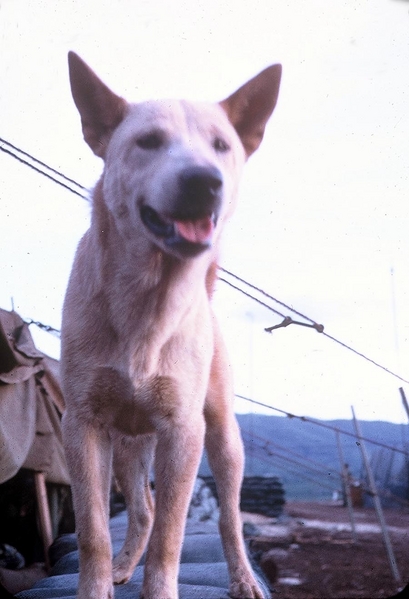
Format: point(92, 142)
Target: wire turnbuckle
point(288, 320)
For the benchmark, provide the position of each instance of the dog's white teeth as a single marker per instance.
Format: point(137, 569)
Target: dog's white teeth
point(197, 231)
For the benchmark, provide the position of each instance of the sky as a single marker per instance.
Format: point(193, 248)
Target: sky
point(322, 220)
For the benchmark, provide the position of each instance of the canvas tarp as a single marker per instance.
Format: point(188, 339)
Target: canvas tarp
point(31, 405)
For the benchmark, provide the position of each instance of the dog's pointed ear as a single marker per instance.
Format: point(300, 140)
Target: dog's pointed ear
point(100, 109)
point(250, 107)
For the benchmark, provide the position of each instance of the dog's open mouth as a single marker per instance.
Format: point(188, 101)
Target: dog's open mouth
point(189, 237)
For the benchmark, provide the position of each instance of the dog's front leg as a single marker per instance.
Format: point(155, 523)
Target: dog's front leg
point(226, 457)
point(178, 452)
point(88, 453)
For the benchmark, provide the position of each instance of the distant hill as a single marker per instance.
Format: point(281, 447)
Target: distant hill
point(305, 456)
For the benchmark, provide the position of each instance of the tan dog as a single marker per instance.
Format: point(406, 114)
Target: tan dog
point(145, 373)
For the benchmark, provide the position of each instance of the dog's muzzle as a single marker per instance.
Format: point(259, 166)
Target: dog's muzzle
point(188, 228)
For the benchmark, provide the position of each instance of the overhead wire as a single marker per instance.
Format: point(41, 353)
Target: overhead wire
point(318, 471)
point(42, 168)
point(287, 468)
point(321, 424)
point(267, 444)
point(315, 325)
point(14, 150)
point(294, 468)
point(250, 296)
point(262, 292)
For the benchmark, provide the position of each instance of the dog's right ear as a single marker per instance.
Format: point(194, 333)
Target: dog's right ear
point(100, 109)
point(250, 107)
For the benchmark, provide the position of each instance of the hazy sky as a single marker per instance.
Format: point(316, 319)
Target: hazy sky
point(323, 215)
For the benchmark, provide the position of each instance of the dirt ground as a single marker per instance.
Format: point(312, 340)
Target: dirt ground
point(320, 560)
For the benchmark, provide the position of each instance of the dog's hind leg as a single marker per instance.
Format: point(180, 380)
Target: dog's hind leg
point(88, 451)
point(226, 457)
point(132, 461)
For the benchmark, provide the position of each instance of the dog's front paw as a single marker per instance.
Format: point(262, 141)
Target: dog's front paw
point(121, 572)
point(245, 587)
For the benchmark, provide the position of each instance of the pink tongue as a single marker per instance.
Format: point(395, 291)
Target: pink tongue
point(197, 231)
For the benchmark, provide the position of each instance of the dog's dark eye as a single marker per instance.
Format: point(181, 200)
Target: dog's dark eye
point(220, 145)
point(150, 141)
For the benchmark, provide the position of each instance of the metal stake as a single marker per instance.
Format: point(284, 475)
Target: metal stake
point(404, 401)
point(378, 507)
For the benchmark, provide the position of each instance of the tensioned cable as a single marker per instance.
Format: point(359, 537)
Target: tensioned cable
point(262, 292)
point(50, 168)
point(11, 151)
point(57, 332)
point(268, 446)
point(319, 423)
point(315, 324)
point(286, 321)
point(256, 451)
point(300, 473)
point(251, 296)
point(273, 452)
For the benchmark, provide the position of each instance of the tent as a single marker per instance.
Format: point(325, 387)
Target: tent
point(31, 405)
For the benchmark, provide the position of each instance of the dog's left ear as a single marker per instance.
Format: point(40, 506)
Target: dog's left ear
point(100, 109)
point(250, 107)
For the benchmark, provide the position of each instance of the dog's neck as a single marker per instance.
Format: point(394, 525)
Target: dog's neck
point(142, 295)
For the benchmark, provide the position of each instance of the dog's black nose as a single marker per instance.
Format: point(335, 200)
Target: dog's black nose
point(201, 181)
point(199, 191)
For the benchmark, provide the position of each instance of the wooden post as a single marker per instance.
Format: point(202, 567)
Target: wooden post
point(44, 514)
point(377, 502)
point(53, 503)
point(347, 482)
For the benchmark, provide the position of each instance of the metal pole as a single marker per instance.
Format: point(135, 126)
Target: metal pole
point(378, 507)
point(406, 406)
point(347, 487)
point(404, 401)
